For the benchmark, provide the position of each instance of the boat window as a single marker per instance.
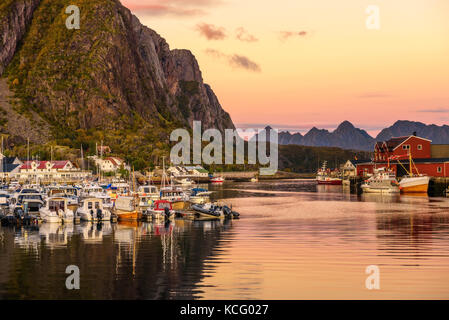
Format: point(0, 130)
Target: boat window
point(97, 205)
point(89, 205)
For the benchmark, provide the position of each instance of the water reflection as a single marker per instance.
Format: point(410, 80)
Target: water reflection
point(118, 261)
point(295, 241)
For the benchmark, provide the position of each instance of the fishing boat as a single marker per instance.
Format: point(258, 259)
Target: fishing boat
point(56, 211)
point(127, 209)
point(324, 177)
point(383, 181)
point(160, 210)
point(413, 182)
point(92, 209)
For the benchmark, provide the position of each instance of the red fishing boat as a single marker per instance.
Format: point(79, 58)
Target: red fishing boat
point(324, 177)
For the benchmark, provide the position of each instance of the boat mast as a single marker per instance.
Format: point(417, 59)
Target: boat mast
point(410, 162)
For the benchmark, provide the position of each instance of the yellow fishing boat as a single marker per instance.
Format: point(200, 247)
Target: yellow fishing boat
point(414, 182)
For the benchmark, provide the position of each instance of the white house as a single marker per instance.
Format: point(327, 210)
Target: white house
point(110, 164)
point(62, 171)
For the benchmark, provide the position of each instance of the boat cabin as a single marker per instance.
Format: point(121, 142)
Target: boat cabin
point(56, 204)
point(147, 190)
point(92, 204)
point(125, 204)
point(160, 205)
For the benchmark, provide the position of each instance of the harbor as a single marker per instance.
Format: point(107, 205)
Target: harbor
point(295, 240)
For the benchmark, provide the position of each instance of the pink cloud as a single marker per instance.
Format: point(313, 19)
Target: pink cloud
point(288, 34)
point(235, 60)
point(211, 32)
point(243, 35)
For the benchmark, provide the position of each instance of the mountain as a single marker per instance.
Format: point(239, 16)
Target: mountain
point(114, 79)
point(346, 136)
point(438, 134)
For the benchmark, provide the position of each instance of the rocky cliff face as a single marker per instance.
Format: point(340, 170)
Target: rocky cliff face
point(14, 19)
point(112, 74)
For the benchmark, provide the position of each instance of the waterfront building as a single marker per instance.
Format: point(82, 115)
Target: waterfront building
point(428, 159)
point(50, 171)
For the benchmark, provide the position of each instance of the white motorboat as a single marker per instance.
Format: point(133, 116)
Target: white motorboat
point(383, 181)
point(200, 196)
point(56, 210)
point(24, 201)
point(185, 181)
point(92, 191)
point(92, 209)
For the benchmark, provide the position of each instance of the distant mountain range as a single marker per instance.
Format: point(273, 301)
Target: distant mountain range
point(346, 136)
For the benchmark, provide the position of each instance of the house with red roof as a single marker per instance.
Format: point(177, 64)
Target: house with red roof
point(428, 159)
point(109, 164)
point(51, 171)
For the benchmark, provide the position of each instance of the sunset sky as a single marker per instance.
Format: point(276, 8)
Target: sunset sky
point(295, 64)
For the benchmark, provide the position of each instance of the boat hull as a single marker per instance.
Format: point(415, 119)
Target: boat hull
point(336, 182)
point(414, 185)
point(129, 216)
point(380, 190)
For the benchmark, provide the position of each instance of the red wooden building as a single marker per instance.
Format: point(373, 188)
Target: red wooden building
point(395, 154)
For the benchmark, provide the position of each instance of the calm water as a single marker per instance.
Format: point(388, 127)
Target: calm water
point(295, 240)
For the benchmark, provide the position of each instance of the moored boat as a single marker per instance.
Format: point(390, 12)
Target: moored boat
point(214, 211)
point(92, 209)
point(325, 177)
point(56, 211)
point(126, 209)
point(199, 196)
point(383, 181)
point(414, 184)
point(160, 210)
point(217, 180)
